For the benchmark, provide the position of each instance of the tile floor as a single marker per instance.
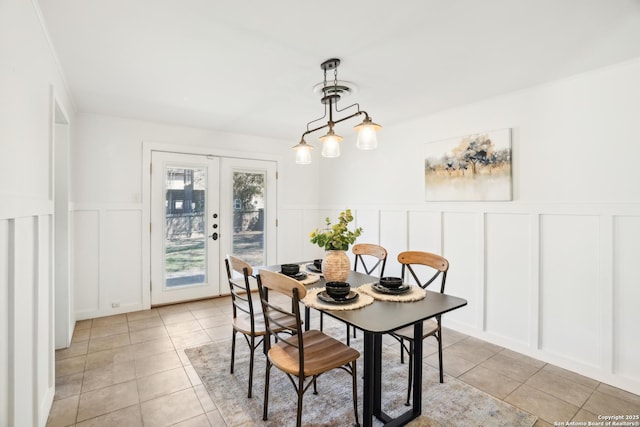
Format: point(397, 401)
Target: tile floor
point(131, 370)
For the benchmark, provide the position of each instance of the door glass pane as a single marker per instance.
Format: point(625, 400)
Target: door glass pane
point(248, 216)
point(185, 253)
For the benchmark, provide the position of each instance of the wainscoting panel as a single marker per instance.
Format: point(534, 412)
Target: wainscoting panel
point(508, 276)
point(312, 219)
point(6, 364)
point(121, 261)
point(107, 260)
point(425, 231)
point(626, 296)
point(44, 317)
point(26, 320)
point(571, 312)
point(24, 351)
point(290, 236)
point(393, 236)
point(86, 263)
point(460, 247)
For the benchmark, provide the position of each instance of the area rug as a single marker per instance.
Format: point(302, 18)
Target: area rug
point(453, 403)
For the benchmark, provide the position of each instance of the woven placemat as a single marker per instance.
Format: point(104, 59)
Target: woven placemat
point(415, 293)
point(311, 278)
point(311, 300)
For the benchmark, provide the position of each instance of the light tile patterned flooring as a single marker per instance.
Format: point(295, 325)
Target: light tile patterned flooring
point(131, 370)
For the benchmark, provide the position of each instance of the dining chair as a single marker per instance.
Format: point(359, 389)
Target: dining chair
point(423, 268)
point(372, 258)
point(302, 355)
point(368, 253)
point(247, 319)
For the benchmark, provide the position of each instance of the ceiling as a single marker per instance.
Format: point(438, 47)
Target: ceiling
point(249, 66)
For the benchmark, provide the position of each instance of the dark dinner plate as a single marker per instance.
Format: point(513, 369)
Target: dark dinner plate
point(312, 268)
point(391, 291)
point(351, 297)
point(299, 276)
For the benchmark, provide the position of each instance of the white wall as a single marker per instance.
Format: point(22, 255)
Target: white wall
point(108, 186)
point(30, 84)
point(551, 274)
point(573, 141)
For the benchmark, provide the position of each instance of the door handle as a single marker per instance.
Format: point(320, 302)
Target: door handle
point(214, 236)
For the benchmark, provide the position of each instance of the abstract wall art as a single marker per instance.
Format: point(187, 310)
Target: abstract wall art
point(469, 168)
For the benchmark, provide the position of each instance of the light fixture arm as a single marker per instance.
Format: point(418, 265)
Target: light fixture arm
point(317, 120)
point(331, 123)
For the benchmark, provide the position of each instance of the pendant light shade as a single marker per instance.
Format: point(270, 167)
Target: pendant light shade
point(303, 152)
point(331, 144)
point(367, 138)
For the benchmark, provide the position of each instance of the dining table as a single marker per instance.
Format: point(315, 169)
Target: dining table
point(377, 319)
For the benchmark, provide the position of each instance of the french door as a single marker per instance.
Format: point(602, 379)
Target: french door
point(202, 208)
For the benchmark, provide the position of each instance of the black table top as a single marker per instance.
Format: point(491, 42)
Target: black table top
point(386, 316)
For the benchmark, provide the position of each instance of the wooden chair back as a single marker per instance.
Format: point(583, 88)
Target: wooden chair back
point(240, 288)
point(437, 265)
point(369, 252)
point(281, 322)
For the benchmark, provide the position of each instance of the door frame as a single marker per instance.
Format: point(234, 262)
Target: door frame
point(62, 290)
point(147, 148)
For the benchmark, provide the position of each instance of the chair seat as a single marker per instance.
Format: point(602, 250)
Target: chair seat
point(322, 353)
point(429, 327)
point(243, 323)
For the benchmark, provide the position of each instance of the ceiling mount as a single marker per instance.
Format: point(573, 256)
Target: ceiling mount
point(340, 89)
point(330, 64)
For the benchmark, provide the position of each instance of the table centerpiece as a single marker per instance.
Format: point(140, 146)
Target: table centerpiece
point(335, 239)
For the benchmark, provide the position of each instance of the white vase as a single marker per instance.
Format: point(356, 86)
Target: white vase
point(336, 266)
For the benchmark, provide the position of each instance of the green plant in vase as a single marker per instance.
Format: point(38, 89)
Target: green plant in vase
point(336, 239)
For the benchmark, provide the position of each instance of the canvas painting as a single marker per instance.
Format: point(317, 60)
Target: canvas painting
point(469, 168)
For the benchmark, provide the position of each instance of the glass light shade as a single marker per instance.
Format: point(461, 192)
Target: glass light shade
point(331, 144)
point(367, 138)
point(303, 156)
point(303, 152)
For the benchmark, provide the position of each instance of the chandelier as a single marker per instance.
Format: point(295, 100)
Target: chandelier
point(331, 94)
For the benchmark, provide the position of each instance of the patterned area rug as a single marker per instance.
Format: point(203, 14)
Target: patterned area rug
point(453, 403)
